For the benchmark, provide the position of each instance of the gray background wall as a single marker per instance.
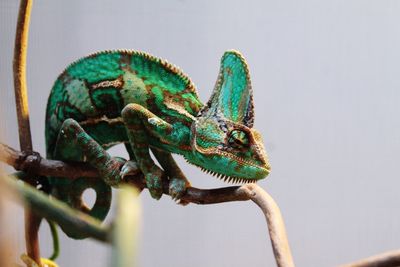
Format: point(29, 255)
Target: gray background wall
point(326, 84)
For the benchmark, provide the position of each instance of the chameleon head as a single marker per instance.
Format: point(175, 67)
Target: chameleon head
point(232, 152)
point(222, 139)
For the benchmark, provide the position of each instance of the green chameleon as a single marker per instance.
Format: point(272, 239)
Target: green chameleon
point(134, 98)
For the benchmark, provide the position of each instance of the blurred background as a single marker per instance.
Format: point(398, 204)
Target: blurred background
point(327, 97)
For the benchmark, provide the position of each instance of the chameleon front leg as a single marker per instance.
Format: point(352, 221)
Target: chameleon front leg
point(177, 180)
point(140, 122)
point(73, 139)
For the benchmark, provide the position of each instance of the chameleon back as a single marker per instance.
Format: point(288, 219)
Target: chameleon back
point(94, 90)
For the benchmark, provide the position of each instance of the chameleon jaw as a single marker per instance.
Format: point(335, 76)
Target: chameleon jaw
point(227, 178)
point(224, 177)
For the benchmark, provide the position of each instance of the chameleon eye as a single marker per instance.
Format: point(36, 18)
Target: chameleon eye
point(238, 139)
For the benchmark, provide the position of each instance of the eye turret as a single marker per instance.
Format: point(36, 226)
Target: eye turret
point(238, 139)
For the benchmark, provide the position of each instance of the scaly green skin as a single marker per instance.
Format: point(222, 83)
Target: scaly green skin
point(134, 98)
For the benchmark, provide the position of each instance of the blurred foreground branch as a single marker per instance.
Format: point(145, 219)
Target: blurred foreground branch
point(55, 210)
point(126, 221)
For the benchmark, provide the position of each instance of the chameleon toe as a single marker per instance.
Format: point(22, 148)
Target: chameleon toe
point(130, 168)
point(177, 188)
point(154, 184)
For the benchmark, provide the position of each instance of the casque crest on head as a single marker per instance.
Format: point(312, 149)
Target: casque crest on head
point(232, 97)
point(222, 136)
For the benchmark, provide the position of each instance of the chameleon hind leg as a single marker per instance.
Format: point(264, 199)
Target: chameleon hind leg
point(177, 180)
point(140, 122)
point(111, 169)
point(74, 143)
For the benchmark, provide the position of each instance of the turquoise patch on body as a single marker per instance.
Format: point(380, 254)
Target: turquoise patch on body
point(134, 89)
point(102, 66)
point(154, 72)
point(159, 96)
point(57, 95)
point(234, 92)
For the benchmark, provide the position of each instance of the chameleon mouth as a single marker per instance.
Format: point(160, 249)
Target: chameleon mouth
point(224, 177)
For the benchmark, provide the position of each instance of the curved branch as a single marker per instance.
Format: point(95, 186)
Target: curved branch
point(34, 163)
point(387, 259)
point(276, 226)
point(19, 70)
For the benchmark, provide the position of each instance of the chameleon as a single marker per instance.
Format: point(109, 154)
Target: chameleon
point(149, 104)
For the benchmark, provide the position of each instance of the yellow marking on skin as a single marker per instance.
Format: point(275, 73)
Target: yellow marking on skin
point(133, 90)
point(115, 83)
point(178, 108)
point(102, 119)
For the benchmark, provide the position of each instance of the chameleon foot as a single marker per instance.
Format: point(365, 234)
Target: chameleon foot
point(154, 182)
point(177, 188)
point(111, 171)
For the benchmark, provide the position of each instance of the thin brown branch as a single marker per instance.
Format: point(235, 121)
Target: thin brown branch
point(34, 163)
point(19, 68)
point(387, 259)
point(32, 222)
point(276, 225)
